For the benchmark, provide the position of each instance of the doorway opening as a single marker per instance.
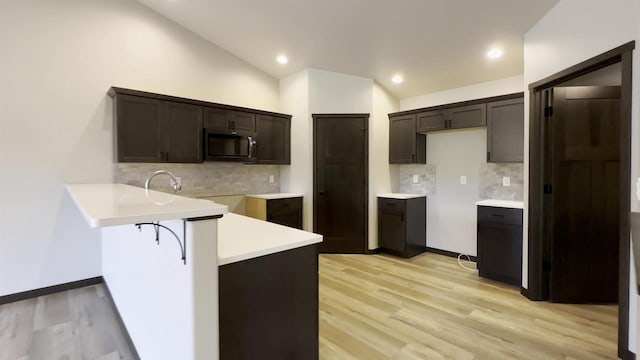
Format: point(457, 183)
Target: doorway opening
point(341, 181)
point(579, 185)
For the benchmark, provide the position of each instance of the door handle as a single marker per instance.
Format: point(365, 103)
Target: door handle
point(250, 138)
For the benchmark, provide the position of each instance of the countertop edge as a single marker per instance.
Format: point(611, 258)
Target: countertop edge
point(106, 221)
point(511, 204)
point(265, 252)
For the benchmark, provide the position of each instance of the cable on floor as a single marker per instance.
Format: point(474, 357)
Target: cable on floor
point(468, 260)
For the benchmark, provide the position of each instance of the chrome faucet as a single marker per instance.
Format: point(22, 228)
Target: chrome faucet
point(174, 182)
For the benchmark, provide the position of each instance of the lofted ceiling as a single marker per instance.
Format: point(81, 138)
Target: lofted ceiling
point(434, 44)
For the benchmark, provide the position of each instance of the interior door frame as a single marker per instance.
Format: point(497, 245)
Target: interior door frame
point(365, 117)
point(538, 265)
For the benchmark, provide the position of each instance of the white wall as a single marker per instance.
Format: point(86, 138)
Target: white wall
point(451, 210)
point(571, 32)
point(382, 179)
point(314, 91)
point(298, 177)
point(57, 61)
point(486, 89)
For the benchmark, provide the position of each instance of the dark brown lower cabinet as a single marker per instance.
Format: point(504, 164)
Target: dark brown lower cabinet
point(500, 244)
point(402, 227)
point(287, 212)
point(269, 307)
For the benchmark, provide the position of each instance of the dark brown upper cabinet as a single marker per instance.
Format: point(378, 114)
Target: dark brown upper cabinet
point(505, 131)
point(406, 145)
point(152, 127)
point(503, 115)
point(139, 135)
point(229, 120)
point(150, 130)
point(274, 139)
point(452, 118)
point(183, 133)
point(468, 116)
point(433, 120)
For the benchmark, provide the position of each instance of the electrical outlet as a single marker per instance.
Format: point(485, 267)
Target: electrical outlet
point(463, 180)
point(272, 179)
point(506, 181)
point(415, 179)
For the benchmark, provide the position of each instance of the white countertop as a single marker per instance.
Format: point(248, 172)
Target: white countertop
point(401, 196)
point(241, 238)
point(502, 203)
point(276, 196)
point(118, 204)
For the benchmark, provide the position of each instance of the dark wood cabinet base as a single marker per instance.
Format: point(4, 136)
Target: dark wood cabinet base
point(269, 307)
point(500, 244)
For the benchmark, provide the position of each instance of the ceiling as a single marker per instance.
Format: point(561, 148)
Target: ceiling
point(434, 44)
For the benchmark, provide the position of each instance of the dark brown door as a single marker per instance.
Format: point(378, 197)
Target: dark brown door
point(340, 182)
point(585, 151)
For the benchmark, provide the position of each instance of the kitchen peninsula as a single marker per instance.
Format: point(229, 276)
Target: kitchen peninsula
point(160, 258)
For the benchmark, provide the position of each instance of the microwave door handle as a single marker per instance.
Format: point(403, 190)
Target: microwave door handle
point(250, 138)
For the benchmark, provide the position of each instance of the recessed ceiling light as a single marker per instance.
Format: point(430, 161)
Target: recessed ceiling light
point(397, 79)
point(282, 59)
point(494, 53)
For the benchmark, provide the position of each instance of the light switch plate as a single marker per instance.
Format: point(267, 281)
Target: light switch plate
point(463, 180)
point(272, 179)
point(506, 181)
point(415, 179)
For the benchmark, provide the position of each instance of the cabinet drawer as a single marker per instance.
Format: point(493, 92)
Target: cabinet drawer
point(280, 206)
point(499, 215)
point(384, 203)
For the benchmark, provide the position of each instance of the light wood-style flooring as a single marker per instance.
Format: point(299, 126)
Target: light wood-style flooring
point(77, 324)
point(371, 307)
point(384, 307)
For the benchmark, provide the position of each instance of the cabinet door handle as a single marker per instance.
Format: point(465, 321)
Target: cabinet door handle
point(402, 217)
point(450, 126)
point(413, 157)
point(488, 156)
point(445, 123)
point(497, 215)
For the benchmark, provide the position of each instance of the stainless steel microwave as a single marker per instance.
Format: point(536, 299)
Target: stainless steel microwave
point(221, 145)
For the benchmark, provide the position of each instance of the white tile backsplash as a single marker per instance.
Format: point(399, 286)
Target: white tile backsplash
point(202, 180)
